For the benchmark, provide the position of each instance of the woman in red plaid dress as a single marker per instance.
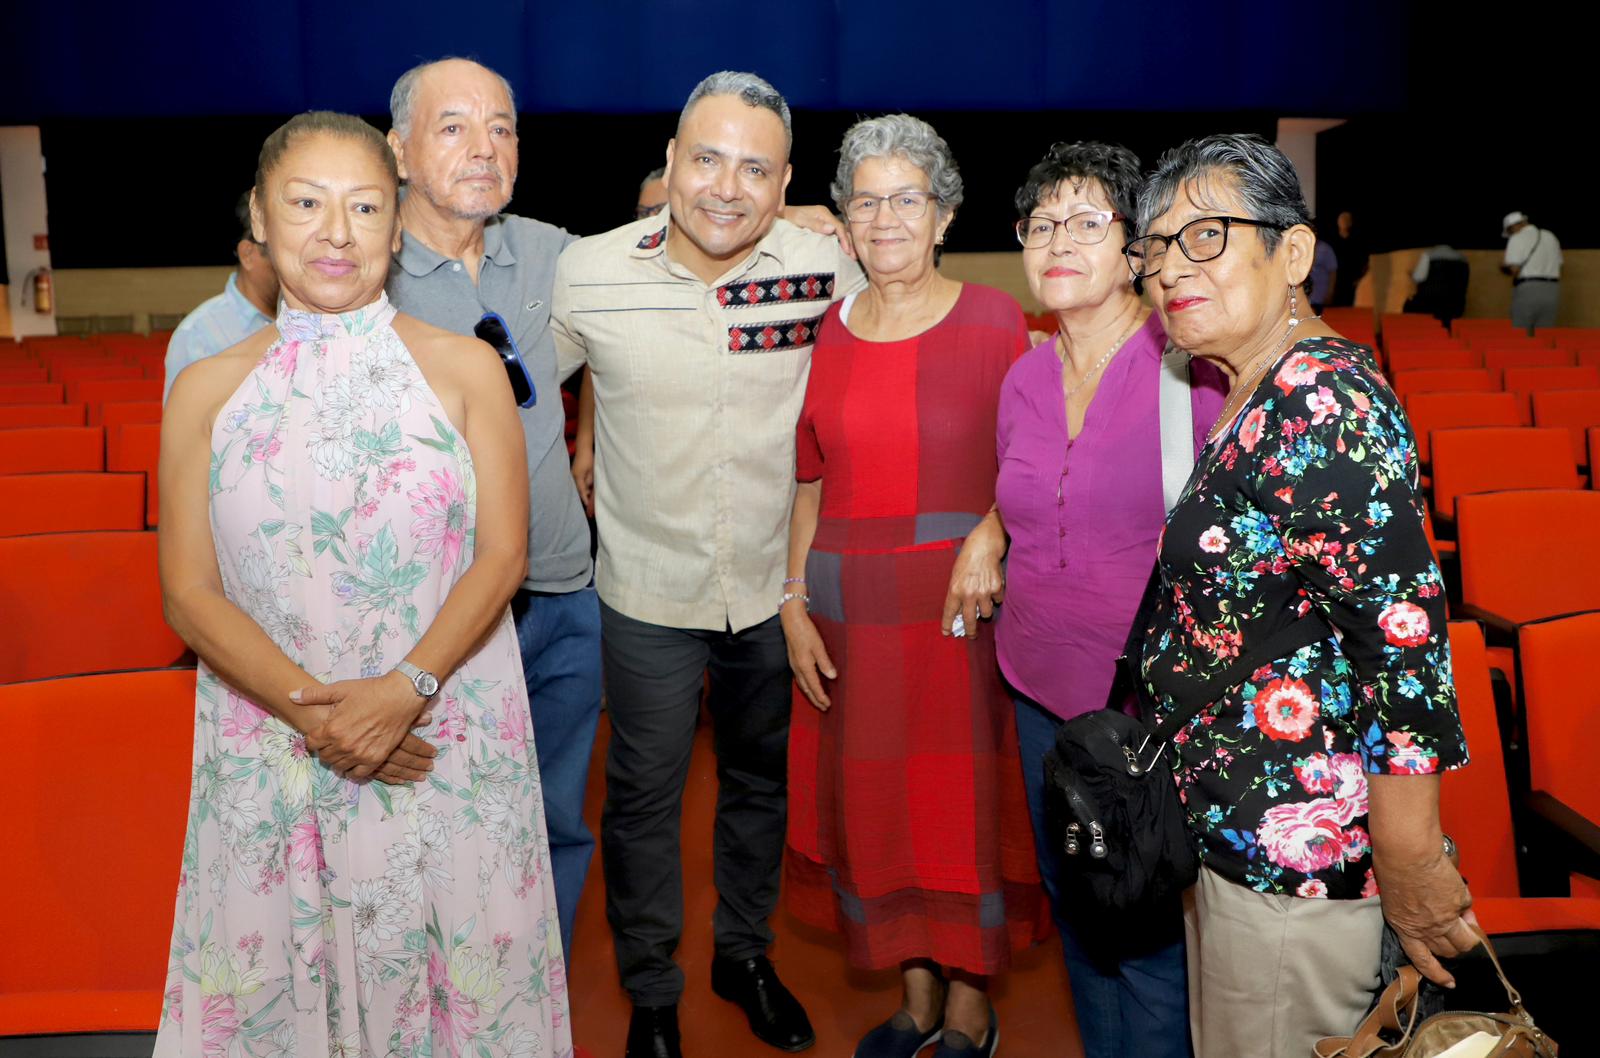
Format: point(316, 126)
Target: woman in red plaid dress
point(908, 829)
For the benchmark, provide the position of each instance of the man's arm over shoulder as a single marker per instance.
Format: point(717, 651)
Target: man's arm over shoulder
point(572, 351)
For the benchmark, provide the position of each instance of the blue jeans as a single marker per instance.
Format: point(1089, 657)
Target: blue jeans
point(1128, 1005)
point(559, 635)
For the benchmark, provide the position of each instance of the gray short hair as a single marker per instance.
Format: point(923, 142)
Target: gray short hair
point(1261, 174)
point(750, 89)
point(652, 176)
point(404, 94)
point(899, 136)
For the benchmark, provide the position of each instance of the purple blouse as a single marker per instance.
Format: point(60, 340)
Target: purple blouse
point(1084, 516)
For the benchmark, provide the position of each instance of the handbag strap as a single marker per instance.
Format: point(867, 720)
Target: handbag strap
point(1313, 627)
point(1396, 1012)
point(1175, 401)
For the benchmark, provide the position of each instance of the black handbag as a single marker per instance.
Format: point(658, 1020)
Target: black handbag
point(1112, 812)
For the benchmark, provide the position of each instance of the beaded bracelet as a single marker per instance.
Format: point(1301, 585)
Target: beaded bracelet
point(793, 580)
point(791, 596)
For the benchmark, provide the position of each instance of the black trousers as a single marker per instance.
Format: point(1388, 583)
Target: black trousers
point(654, 676)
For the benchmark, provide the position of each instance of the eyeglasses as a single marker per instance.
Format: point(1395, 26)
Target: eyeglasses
point(1200, 240)
point(907, 205)
point(1085, 229)
point(493, 329)
point(641, 212)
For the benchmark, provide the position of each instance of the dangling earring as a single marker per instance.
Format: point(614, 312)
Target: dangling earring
point(1294, 303)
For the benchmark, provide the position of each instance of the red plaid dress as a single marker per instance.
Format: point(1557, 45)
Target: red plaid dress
point(908, 827)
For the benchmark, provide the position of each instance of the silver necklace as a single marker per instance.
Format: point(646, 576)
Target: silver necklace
point(1087, 375)
point(1247, 387)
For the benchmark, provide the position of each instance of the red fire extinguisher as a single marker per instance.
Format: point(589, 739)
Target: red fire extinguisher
point(38, 282)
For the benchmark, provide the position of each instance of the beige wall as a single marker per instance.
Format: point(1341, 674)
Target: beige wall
point(1388, 284)
point(136, 291)
point(140, 291)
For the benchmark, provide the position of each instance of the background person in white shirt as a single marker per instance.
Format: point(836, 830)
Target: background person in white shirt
point(1533, 260)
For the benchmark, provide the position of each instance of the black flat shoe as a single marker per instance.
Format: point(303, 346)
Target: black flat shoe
point(960, 1045)
point(776, 1017)
point(653, 1033)
point(898, 1037)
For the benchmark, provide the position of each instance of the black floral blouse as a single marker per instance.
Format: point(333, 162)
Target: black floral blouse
point(1309, 498)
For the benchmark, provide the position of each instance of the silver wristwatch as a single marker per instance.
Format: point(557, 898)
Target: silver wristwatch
point(426, 683)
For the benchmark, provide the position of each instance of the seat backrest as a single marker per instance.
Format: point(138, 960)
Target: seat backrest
point(1462, 379)
point(96, 796)
point(19, 416)
point(1574, 409)
point(1562, 705)
point(1443, 411)
point(1503, 356)
point(1467, 326)
point(70, 503)
point(136, 446)
point(82, 602)
point(114, 415)
point(47, 449)
point(31, 392)
point(1475, 801)
point(94, 394)
point(1494, 458)
point(1433, 359)
point(1511, 545)
point(71, 374)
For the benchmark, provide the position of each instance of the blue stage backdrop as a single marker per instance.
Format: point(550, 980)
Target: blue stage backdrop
point(96, 58)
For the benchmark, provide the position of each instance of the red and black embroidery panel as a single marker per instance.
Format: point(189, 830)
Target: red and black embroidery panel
point(815, 287)
point(771, 337)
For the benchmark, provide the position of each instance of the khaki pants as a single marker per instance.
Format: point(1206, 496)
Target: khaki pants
point(1270, 975)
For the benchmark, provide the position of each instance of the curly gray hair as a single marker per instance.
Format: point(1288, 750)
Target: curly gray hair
point(899, 136)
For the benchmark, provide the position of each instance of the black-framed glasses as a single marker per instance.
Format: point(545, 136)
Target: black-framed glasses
point(907, 205)
point(1200, 240)
point(641, 212)
point(493, 329)
point(1085, 229)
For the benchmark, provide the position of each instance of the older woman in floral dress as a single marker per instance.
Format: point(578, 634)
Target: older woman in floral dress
point(1313, 785)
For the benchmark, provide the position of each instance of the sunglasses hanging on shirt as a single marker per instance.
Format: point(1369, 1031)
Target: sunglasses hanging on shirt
point(493, 329)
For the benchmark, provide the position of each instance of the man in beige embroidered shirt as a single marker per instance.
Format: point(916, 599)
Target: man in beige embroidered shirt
point(697, 327)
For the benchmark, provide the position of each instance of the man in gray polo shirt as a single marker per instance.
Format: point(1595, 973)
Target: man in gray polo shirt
point(455, 137)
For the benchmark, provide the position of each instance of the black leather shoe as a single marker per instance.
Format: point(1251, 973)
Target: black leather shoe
point(776, 1016)
point(653, 1033)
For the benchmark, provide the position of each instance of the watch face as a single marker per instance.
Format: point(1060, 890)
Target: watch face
point(427, 684)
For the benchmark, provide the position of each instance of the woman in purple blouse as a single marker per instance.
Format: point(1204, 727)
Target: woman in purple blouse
point(1080, 494)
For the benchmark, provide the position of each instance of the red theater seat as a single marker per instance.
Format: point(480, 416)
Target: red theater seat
point(17, 416)
point(31, 393)
point(96, 793)
point(70, 503)
point(1429, 412)
point(137, 447)
point(82, 602)
point(49, 449)
point(1475, 809)
point(1490, 459)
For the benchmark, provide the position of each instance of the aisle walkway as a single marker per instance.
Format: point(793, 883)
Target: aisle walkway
point(1034, 1010)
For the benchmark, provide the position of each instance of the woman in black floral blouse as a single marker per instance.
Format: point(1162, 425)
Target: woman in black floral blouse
point(1313, 786)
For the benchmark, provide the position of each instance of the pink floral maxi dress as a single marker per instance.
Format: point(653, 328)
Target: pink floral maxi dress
point(318, 916)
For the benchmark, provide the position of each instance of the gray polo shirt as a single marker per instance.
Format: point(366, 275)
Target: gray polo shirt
point(514, 280)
